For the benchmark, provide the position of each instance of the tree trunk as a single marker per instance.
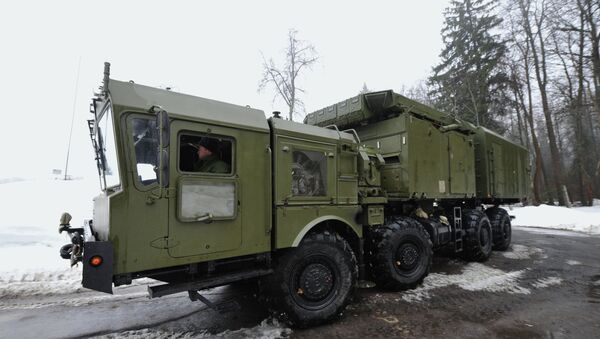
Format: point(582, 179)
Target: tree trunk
point(541, 77)
point(594, 35)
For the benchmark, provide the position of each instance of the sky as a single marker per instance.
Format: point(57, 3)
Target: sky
point(208, 49)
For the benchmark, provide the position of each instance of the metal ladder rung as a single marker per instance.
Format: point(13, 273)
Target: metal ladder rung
point(458, 242)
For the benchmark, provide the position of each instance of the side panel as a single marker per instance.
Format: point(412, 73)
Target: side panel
point(462, 158)
point(498, 165)
point(502, 167)
point(428, 170)
point(347, 175)
point(482, 170)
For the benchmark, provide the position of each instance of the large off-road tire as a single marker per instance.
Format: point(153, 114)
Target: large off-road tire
point(400, 254)
point(501, 228)
point(313, 282)
point(479, 239)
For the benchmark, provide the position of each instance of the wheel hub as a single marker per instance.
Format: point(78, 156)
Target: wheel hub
point(315, 282)
point(407, 257)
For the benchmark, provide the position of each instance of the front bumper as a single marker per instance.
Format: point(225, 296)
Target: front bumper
point(97, 256)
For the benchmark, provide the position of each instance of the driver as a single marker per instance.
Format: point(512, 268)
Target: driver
point(208, 159)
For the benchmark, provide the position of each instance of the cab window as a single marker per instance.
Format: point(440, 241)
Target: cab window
point(144, 137)
point(205, 154)
point(309, 173)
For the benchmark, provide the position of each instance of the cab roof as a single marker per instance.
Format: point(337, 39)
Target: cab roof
point(141, 98)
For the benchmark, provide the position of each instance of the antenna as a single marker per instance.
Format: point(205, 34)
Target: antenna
point(73, 116)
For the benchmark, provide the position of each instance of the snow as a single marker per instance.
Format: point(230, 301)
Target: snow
point(474, 277)
point(522, 252)
point(546, 282)
point(549, 231)
point(268, 328)
point(580, 219)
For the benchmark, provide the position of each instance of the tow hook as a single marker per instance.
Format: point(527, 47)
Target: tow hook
point(74, 250)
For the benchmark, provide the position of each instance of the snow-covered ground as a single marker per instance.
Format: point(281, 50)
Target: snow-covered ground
point(29, 240)
point(30, 265)
point(579, 219)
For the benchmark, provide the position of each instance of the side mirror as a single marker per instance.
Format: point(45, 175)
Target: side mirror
point(164, 137)
point(162, 123)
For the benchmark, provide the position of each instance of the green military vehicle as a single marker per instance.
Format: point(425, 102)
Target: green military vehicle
point(366, 189)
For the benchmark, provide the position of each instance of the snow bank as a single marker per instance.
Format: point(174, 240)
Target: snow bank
point(580, 219)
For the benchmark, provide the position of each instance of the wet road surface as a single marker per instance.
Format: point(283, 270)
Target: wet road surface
point(546, 286)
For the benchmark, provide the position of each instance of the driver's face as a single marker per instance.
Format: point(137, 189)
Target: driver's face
point(203, 152)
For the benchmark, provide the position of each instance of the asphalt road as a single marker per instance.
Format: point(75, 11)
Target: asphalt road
point(546, 286)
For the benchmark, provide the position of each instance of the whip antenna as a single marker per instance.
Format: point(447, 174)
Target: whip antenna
point(73, 116)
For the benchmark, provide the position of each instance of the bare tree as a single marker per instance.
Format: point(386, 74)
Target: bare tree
point(299, 55)
point(538, 52)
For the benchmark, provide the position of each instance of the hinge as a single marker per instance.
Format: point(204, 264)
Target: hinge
point(163, 243)
point(159, 193)
point(169, 192)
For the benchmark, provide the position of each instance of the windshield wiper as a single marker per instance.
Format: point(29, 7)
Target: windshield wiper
point(97, 150)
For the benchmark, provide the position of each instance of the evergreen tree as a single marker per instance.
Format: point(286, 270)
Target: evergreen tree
point(469, 82)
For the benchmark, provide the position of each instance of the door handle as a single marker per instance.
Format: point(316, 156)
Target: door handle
point(207, 218)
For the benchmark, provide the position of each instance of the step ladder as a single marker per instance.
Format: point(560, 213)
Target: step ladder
point(458, 240)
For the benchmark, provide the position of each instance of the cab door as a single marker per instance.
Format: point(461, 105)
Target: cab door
point(204, 207)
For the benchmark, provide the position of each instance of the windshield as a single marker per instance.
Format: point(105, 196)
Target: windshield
point(108, 151)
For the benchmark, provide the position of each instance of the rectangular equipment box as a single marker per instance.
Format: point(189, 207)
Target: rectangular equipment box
point(420, 160)
point(502, 167)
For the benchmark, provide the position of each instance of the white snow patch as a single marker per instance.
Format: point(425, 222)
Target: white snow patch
point(573, 262)
point(475, 277)
point(545, 282)
point(580, 219)
point(268, 328)
point(549, 231)
point(522, 252)
point(16, 283)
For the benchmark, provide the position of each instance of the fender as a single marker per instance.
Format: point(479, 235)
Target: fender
point(318, 221)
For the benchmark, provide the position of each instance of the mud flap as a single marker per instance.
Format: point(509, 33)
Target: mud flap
point(98, 278)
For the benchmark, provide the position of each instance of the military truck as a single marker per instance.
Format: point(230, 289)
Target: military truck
point(365, 190)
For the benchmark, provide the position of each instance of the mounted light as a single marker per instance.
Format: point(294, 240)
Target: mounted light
point(96, 261)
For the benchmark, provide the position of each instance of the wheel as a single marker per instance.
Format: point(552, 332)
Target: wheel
point(313, 282)
point(501, 228)
point(400, 254)
point(478, 241)
point(66, 250)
